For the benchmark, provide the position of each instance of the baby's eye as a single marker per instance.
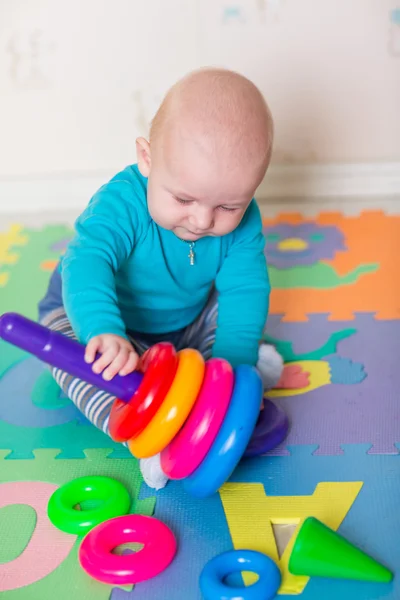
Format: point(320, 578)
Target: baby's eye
point(227, 208)
point(182, 201)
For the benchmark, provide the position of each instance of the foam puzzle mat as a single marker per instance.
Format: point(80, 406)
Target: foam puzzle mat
point(335, 318)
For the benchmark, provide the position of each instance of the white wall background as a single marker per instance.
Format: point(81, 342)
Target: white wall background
point(80, 79)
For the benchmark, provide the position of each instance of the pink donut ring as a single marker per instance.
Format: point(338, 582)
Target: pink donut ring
point(189, 448)
point(95, 552)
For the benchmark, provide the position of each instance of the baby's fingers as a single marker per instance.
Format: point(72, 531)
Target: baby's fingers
point(92, 348)
point(106, 358)
point(130, 364)
point(119, 361)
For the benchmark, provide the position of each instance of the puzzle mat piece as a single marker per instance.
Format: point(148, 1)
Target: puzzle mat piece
point(73, 433)
point(372, 523)
point(330, 502)
point(357, 227)
point(119, 593)
point(32, 398)
point(345, 371)
point(285, 348)
point(60, 247)
point(20, 518)
point(9, 355)
point(378, 291)
point(338, 414)
point(69, 580)
point(319, 276)
point(47, 547)
point(305, 243)
point(201, 531)
point(293, 377)
point(297, 255)
point(315, 374)
point(18, 295)
point(47, 466)
point(71, 438)
point(9, 242)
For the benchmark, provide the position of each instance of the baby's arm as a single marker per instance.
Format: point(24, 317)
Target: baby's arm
point(244, 288)
point(105, 236)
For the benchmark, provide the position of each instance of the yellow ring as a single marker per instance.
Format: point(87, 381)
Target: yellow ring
point(175, 408)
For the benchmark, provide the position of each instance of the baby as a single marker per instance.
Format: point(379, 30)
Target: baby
point(172, 249)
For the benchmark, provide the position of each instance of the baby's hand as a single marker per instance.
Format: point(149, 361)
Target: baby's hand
point(117, 355)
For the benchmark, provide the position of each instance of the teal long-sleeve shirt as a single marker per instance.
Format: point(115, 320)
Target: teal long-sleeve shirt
point(122, 271)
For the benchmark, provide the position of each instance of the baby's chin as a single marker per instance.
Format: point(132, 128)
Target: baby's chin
point(188, 236)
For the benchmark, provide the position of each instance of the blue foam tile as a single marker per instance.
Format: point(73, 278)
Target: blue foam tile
point(372, 524)
point(201, 530)
point(17, 386)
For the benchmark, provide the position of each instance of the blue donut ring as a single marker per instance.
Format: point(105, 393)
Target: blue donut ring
point(233, 436)
point(218, 568)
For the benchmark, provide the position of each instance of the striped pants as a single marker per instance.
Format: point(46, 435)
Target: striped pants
point(96, 404)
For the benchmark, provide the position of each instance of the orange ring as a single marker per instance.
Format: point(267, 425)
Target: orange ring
point(176, 407)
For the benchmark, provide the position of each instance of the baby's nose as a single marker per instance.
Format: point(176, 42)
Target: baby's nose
point(203, 219)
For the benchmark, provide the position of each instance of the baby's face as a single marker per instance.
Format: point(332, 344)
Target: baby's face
point(194, 196)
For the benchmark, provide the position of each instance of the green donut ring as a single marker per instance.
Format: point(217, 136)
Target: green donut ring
point(62, 514)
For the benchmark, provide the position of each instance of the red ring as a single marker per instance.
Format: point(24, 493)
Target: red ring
point(127, 419)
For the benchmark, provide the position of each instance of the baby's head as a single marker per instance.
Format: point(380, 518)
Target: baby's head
point(210, 146)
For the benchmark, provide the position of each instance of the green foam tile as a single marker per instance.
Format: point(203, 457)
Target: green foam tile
point(318, 276)
point(27, 281)
point(68, 580)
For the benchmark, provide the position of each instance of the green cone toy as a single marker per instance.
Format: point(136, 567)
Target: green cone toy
point(321, 552)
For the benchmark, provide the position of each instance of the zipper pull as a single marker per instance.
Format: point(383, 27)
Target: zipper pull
point(191, 253)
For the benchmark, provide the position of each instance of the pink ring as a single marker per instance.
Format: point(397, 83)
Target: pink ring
point(95, 552)
point(189, 448)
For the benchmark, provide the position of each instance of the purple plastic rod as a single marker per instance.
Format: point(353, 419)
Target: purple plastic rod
point(59, 351)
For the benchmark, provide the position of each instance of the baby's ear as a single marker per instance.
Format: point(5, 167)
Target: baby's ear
point(143, 156)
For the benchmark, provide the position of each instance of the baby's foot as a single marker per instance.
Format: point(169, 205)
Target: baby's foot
point(270, 365)
point(152, 472)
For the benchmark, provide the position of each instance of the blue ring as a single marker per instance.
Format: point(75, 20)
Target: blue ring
point(233, 436)
point(212, 576)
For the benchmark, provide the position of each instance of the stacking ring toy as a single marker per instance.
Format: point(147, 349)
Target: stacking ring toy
point(156, 410)
point(159, 365)
point(233, 437)
point(189, 448)
point(271, 429)
point(217, 569)
point(61, 505)
point(97, 559)
point(175, 408)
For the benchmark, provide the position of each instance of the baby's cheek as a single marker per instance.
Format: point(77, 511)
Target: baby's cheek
point(159, 213)
point(226, 222)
